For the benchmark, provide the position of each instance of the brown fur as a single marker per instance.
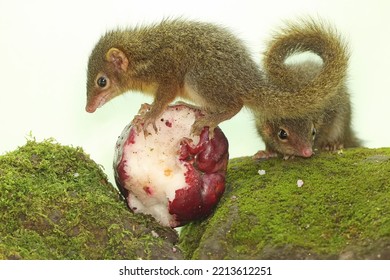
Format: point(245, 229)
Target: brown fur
point(329, 127)
point(206, 64)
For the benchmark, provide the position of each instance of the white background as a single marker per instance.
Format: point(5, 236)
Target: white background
point(44, 49)
point(280, 270)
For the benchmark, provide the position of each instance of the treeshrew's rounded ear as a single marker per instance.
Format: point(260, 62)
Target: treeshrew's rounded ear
point(118, 58)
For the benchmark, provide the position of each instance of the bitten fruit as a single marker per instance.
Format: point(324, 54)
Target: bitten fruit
point(170, 174)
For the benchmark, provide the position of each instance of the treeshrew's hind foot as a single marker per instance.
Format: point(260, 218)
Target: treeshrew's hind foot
point(200, 124)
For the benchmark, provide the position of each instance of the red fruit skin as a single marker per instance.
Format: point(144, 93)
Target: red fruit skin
point(120, 173)
point(206, 164)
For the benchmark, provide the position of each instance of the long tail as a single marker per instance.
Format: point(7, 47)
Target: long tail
point(295, 99)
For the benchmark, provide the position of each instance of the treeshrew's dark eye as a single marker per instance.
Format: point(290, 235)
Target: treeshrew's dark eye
point(282, 134)
point(102, 82)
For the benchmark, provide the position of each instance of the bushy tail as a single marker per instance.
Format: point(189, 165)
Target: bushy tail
point(293, 98)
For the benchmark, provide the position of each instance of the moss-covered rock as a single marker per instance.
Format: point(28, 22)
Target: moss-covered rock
point(342, 211)
point(56, 203)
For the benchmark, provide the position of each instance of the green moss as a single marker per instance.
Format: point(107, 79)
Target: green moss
point(56, 203)
point(342, 210)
